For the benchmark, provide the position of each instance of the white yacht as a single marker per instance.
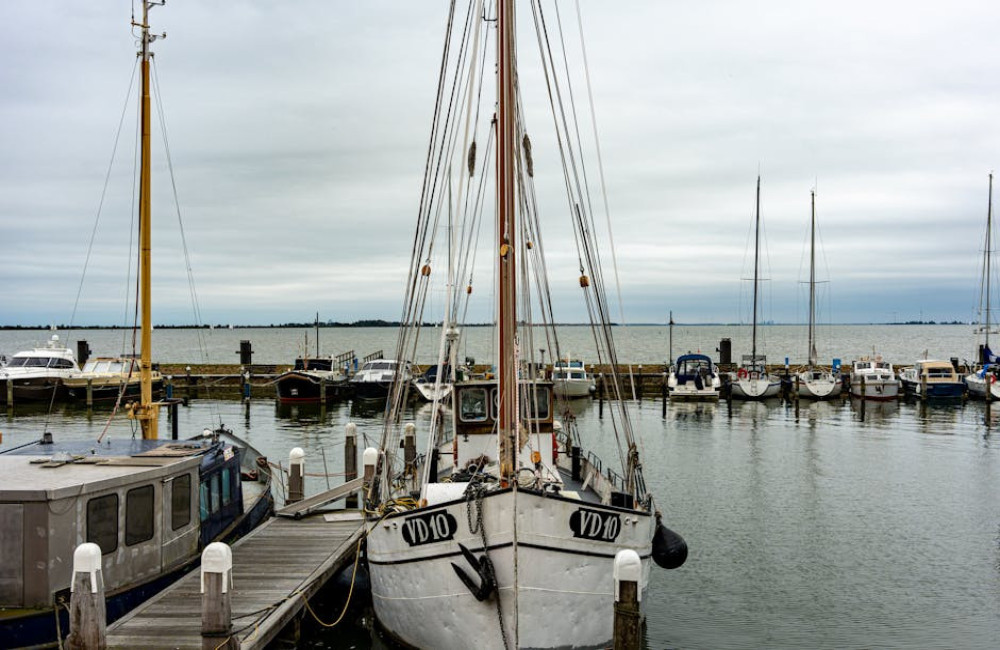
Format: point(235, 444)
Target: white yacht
point(694, 377)
point(37, 375)
point(570, 379)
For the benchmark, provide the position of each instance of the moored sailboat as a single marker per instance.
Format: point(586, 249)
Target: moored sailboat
point(814, 382)
point(504, 534)
point(984, 382)
point(149, 505)
point(752, 379)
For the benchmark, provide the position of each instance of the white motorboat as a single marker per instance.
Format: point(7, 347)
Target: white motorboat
point(873, 378)
point(107, 379)
point(694, 377)
point(37, 375)
point(376, 376)
point(570, 379)
point(503, 534)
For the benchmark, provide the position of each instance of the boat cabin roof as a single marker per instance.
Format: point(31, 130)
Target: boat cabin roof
point(45, 472)
point(696, 357)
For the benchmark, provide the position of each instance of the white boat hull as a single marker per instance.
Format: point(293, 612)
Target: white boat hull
point(875, 389)
point(556, 588)
point(755, 387)
point(573, 388)
point(818, 386)
point(979, 387)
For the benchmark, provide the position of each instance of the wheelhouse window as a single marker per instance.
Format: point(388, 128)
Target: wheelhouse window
point(102, 522)
point(139, 515)
point(61, 363)
point(536, 403)
point(180, 501)
point(472, 405)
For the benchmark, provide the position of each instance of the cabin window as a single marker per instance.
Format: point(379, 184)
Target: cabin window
point(472, 406)
point(227, 492)
point(138, 515)
point(180, 501)
point(102, 522)
point(537, 406)
point(61, 363)
point(215, 493)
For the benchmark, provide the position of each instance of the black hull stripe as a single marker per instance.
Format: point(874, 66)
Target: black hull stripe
point(494, 547)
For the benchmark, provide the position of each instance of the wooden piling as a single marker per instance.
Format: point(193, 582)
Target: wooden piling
point(296, 475)
point(369, 459)
point(87, 614)
point(663, 394)
point(600, 396)
point(409, 447)
point(351, 460)
point(10, 393)
point(864, 398)
point(628, 619)
point(216, 601)
point(90, 393)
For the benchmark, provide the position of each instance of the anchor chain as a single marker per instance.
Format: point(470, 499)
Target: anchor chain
point(475, 494)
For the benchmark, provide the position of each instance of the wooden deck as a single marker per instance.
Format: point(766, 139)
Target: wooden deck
point(275, 569)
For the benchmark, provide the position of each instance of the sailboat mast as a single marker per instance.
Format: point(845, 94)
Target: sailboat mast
point(147, 412)
point(812, 283)
point(989, 241)
point(756, 265)
point(507, 294)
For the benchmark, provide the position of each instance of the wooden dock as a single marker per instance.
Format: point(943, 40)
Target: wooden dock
point(276, 569)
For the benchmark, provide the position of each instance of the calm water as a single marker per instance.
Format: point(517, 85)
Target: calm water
point(899, 344)
point(809, 530)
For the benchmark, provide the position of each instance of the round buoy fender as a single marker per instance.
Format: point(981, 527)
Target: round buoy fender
point(742, 373)
point(669, 548)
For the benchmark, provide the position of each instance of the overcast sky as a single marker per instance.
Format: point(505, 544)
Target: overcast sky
point(298, 132)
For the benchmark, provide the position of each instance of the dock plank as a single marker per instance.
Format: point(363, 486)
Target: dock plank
point(274, 568)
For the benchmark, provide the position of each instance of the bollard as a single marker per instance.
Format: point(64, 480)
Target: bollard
point(409, 447)
point(351, 460)
point(216, 601)
point(87, 613)
point(369, 459)
point(296, 475)
point(628, 620)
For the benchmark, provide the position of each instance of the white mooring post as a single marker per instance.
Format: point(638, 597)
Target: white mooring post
point(628, 619)
point(296, 475)
point(87, 614)
point(216, 601)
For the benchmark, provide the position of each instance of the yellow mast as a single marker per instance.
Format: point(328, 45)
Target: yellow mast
point(147, 411)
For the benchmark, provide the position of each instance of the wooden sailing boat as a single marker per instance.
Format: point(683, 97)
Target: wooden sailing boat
point(149, 505)
point(752, 379)
point(504, 534)
point(813, 382)
point(985, 382)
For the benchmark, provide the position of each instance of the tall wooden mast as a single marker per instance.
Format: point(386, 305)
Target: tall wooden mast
point(147, 412)
point(506, 238)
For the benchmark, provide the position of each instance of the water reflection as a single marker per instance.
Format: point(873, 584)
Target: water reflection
point(878, 412)
point(693, 412)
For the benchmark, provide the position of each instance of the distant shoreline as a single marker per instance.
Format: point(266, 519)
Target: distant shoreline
point(390, 324)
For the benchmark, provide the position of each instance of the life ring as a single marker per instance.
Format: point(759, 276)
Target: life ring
point(742, 373)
